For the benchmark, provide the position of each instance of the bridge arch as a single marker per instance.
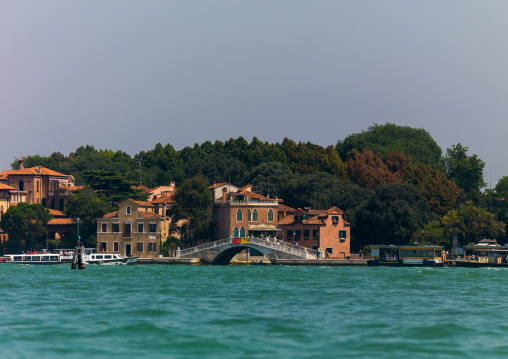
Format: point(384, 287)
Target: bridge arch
point(225, 256)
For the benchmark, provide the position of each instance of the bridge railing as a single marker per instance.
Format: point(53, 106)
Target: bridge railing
point(263, 242)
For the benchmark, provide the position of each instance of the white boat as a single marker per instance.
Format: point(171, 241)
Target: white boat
point(44, 258)
point(107, 258)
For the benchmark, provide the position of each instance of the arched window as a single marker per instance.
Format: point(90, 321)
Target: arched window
point(242, 232)
point(239, 215)
point(270, 215)
point(128, 210)
point(236, 233)
point(249, 215)
point(255, 215)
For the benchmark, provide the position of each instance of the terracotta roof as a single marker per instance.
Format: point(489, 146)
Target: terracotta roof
point(111, 215)
point(54, 212)
point(164, 200)
point(145, 214)
point(333, 210)
point(6, 187)
point(284, 208)
point(141, 203)
point(61, 221)
point(287, 220)
point(37, 170)
point(143, 188)
point(255, 195)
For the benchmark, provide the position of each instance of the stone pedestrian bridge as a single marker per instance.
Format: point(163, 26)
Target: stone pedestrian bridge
point(222, 251)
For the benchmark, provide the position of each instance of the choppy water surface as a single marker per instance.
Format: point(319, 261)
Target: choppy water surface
point(252, 312)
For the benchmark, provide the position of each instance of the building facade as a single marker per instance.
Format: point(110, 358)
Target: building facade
point(239, 212)
point(134, 230)
point(326, 231)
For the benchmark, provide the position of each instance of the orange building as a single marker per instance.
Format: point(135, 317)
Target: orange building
point(239, 212)
point(323, 230)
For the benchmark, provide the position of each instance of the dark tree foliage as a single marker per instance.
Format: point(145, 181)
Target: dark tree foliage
point(323, 191)
point(218, 168)
point(113, 187)
point(416, 144)
point(271, 178)
point(466, 171)
point(189, 215)
point(441, 193)
point(86, 205)
point(391, 215)
point(25, 224)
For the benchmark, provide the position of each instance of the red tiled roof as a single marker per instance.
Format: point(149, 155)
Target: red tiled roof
point(61, 221)
point(6, 187)
point(37, 170)
point(284, 208)
point(111, 215)
point(141, 203)
point(54, 212)
point(144, 214)
point(164, 200)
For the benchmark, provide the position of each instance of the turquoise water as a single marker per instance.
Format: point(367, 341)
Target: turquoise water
point(252, 312)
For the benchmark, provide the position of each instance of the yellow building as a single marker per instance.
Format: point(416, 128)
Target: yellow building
point(134, 230)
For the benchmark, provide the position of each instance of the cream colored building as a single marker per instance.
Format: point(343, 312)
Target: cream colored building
point(134, 230)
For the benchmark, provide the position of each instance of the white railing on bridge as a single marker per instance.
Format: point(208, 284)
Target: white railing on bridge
point(263, 242)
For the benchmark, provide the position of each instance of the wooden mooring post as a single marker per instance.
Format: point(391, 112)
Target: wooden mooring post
point(79, 256)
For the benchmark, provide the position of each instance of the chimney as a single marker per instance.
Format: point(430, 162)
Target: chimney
point(224, 193)
point(21, 163)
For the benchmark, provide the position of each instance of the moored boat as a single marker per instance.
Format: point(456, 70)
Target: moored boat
point(107, 258)
point(44, 258)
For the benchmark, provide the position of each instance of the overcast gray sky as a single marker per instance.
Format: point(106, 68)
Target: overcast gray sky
point(125, 75)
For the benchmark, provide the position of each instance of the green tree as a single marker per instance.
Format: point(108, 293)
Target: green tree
point(189, 215)
point(391, 215)
point(441, 192)
point(466, 171)
point(170, 246)
point(473, 222)
point(433, 233)
point(113, 187)
point(416, 144)
point(25, 224)
point(86, 205)
point(218, 168)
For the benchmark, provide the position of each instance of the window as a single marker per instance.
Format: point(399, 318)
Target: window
point(239, 215)
point(104, 247)
point(104, 227)
point(298, 234)
point(128, 210)
point(236, 232)
point(37, 186)
point(290, 233)
point(329, 250)
point(140, 247)
point(115, 246)
point(140, 227)
point(306, 234)
point(116, 227)
point(153, 227)
point(335, 219)
point(249, 215)
point(315, 233)
point(255, 215)
point(342, 234)
point(152, 247)
point(128, 227)
point(21, 186)
point(270, 215)
point(242, 232)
